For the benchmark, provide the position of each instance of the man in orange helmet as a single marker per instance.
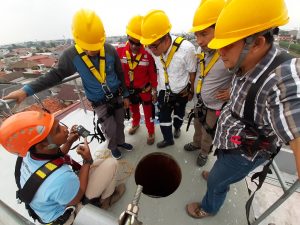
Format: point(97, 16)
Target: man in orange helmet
point(175, 60)
point(212, 80)
point(101, 72)
point(47, 185)
point(263, 111)
point(140, 77)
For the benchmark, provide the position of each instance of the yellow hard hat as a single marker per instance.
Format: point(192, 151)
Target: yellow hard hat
point(155, 25)
point(133, 28)
point(207, 14)
point(88, 31)
point(243, 18)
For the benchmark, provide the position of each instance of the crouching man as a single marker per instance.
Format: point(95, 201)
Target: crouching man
point(47, 184)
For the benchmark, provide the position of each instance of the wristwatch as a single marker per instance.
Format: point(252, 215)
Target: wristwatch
point(90, 161)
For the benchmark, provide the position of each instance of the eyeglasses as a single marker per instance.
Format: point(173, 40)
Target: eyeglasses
point(155, 46)
point(134, 43)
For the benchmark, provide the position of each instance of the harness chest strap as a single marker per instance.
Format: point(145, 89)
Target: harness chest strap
point(204, 70)
point(132, 63)
point(100, 76)
point(175, 46)
point(28, 191)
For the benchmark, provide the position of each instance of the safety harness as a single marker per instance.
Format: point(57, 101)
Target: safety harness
point(175, 46)
point(32, 185)
point(134, 92)
point(201, 108)
point(110, 98)
point(254, 141)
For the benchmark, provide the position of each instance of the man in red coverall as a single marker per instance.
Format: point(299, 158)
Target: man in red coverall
point(140, 77)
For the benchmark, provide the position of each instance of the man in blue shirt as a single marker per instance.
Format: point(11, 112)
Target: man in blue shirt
point(41, 140)
point(102, 77)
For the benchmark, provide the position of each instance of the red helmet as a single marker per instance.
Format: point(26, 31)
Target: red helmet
point(23, 130)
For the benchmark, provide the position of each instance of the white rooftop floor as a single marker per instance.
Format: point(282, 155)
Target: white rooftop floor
point(153, 211)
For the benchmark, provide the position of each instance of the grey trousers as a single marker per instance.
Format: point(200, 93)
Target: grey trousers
point(113, 126)
point(201, 138)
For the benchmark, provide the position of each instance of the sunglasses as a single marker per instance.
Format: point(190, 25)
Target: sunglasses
point(134, 43)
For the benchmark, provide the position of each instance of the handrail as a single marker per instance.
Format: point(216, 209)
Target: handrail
point(13, 101)
point(276, 204)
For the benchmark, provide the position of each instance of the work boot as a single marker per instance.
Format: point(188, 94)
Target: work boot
point(126, 146)
point(118, 193)
point(133, 129)
point(201, 160)
point(190, 147)
point(150, 139)
point(116, 153)
point(164, 143)
point(177, 133)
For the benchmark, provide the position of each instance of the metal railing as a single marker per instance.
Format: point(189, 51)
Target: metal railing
point(287, 192)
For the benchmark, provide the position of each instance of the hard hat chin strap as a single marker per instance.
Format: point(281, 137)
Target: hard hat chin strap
point(51, 144)
point(248, 43)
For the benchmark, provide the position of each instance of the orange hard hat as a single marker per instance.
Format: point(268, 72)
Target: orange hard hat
point(25, 129)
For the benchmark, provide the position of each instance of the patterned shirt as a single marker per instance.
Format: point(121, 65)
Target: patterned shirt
point(277, 103)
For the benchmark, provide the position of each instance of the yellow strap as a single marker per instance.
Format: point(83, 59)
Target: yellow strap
point(174, 48)
point(100, 76)
point(204, 72)
point(132, 65)
point(41, 174)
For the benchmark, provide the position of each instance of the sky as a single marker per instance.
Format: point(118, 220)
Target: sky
point(37, 20)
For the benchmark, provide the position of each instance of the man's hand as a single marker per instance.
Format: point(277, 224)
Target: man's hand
point(73, 134)
point(154, 97)
point(223, 95)
point(190, 96)
point(84, 151)
point(126, 103)
point(18, 95)
point(295, 146)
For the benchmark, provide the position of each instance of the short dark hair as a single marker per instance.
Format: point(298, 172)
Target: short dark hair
point(269, 37)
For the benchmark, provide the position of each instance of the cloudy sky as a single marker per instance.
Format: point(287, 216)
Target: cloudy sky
point(31, 20)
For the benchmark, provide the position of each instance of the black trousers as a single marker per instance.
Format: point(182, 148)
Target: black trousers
point(177, 105)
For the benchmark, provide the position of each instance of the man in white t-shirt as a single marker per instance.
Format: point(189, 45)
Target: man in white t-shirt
point(175, 60)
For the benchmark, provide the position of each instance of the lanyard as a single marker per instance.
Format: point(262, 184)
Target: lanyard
point(165, 64)
point(132, 63)
point(204, 71)
point(100, 76)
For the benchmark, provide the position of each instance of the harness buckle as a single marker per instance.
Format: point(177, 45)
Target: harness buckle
point(167, 96)
point(131, 91)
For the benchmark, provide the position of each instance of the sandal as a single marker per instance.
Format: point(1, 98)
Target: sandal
point(194, 210)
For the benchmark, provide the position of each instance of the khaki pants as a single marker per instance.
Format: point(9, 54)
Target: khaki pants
point(201, 138)
point(102, 182)
point(102, 178)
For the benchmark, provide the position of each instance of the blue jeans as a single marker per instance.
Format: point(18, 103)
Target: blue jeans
point(228, 169)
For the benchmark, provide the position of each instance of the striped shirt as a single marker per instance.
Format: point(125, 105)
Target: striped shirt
point(277, 103)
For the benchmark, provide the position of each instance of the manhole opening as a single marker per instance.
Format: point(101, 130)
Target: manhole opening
point(159, 174)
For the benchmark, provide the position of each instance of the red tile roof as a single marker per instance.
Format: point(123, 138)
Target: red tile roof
point(52, 104)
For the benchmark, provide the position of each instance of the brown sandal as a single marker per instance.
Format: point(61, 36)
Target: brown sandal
point(194, 210)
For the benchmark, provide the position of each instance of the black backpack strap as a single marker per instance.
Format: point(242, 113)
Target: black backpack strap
point(31, 186)
point(251, 95)
point(17, 171)
point(249, 121)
